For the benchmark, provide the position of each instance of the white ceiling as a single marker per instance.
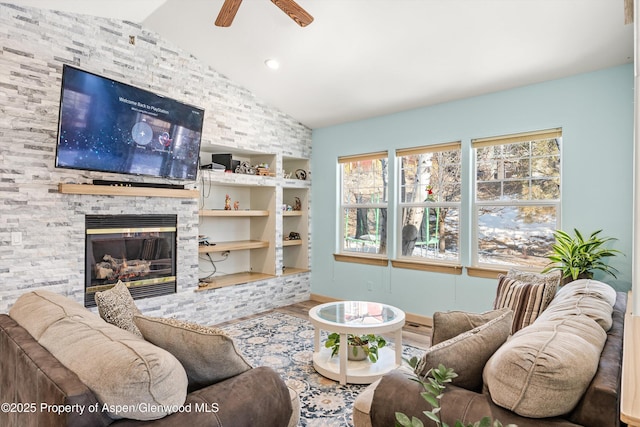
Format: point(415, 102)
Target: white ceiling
point(364, 58)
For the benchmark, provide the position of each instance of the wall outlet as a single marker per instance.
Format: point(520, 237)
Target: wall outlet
point(369, 285)
point(16, 238)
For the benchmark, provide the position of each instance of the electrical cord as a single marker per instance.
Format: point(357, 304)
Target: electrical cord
point(225, 255)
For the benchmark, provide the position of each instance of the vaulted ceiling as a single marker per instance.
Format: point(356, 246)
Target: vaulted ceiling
point(364, 58)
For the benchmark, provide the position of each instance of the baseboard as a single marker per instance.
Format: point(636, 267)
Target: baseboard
point(410, 317)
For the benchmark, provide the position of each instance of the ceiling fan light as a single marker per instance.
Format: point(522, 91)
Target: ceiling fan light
point(272, 63)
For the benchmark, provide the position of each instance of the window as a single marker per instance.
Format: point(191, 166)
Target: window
point(363, 204)
point(429, 202)
point(517, 198)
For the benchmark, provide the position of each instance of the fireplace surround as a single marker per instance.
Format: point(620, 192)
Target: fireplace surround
point(139, 250)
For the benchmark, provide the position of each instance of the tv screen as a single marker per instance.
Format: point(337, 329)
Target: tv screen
point(109, 126)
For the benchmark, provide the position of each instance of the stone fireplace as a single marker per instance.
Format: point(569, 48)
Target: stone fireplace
point(139, 250)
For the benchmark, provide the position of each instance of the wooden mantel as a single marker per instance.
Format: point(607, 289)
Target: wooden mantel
point(108, 190)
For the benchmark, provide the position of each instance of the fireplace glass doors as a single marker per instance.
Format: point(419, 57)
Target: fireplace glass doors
point(138, 250)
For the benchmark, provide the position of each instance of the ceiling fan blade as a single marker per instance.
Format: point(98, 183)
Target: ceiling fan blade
point(227, 13)
point(294, 11)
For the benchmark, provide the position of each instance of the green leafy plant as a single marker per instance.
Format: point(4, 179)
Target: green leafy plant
point(578, 258)
point(437, 379)
point(369, 343)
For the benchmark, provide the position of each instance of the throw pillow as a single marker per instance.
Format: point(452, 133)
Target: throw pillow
point(551, 281)
point(584, 297)
point(450, 324)
point(208, 354)
point(468, 352)
point(527, 300)
point(544, 370)
point(116, 306)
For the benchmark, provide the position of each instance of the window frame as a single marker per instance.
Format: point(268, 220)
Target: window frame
point(476, 266)
point(354, 256)
point(417, 262)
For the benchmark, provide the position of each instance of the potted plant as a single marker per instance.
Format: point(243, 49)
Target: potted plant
point(360, 346)
point(578, 258)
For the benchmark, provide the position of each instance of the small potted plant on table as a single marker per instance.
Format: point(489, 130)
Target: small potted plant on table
point(361, 347)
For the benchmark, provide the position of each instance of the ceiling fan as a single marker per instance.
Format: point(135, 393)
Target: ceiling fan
point(290, 7)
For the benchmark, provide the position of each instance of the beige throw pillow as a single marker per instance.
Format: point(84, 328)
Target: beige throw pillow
point(449, 324)
point(116, 306)
point(544, 370)
point(468, 352)
point(208, 354)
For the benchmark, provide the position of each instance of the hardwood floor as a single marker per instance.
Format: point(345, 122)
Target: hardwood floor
point(412, 333)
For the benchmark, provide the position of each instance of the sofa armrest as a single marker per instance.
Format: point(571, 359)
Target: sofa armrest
point(30, 374)
point(600, 404)
point(397, 392)
point(257, 397)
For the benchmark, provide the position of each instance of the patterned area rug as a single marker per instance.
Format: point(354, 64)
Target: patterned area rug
point(285, 343)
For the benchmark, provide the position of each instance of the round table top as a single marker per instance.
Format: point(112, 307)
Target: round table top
point(351, 316)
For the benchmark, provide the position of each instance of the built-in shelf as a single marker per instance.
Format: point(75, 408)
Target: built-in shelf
point(292, 213)
point(239, 245)
point(292, 243)
point(108, 190)
point(288, 271)
point(231, 280)
point(231, 213)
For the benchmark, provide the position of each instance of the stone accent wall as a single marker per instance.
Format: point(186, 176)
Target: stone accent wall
point(34, 44)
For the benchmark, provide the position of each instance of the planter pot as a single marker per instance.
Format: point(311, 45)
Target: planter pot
point(585, 275)
point(355, 352)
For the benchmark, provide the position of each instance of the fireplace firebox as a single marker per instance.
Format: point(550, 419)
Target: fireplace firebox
point(139, 250)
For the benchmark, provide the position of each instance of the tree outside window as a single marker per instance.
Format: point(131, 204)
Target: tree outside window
point(364, 203)
point(429, 202)
point(517, 198)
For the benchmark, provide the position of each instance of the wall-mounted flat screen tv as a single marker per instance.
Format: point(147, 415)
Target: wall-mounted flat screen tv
point(109, 126)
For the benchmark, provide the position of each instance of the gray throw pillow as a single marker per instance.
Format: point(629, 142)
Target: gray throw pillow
point(449, 324)
point(116, 306)
point(207, 354)
point(468, 352)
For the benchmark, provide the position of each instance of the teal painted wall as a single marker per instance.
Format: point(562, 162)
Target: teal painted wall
point(595, 112)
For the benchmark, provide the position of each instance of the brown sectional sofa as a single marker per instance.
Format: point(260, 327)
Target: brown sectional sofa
point(598, 406)
point(38, 390)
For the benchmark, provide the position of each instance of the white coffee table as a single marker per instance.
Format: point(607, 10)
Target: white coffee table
point(356, 317)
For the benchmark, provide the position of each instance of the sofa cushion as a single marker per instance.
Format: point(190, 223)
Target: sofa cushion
point(544, 369)
point(208, 354)
point(584, 297)
point(116, 306)
point(131, 377)
point(527, 300)
point(468, 352)
point(449, 324)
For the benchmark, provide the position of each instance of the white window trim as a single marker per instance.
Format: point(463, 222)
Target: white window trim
point(342, 206)
point(475, 204)
point(400, 205)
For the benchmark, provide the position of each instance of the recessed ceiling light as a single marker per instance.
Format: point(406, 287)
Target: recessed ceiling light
point(272, 63)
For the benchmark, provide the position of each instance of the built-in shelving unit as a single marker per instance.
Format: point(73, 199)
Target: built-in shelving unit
point(242, 242)
point(295, 253)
